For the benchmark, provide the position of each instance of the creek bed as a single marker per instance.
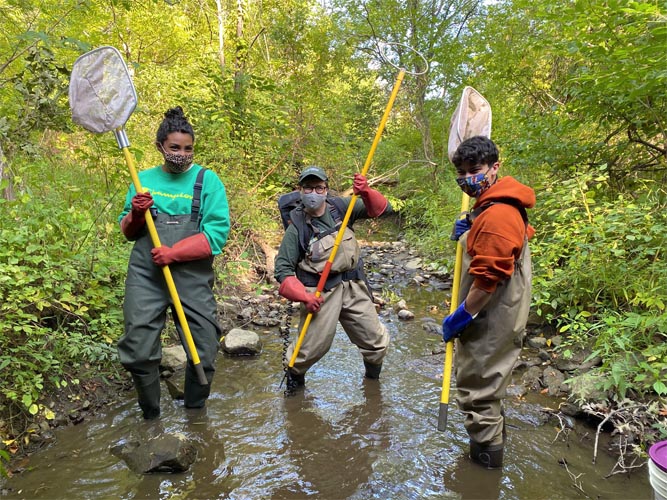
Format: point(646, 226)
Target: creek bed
point(343, 437)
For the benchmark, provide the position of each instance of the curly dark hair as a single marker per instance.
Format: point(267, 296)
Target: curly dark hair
point(478, 150)
point(174, 121)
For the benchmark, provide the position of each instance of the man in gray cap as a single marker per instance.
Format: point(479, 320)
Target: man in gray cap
point(305, 249)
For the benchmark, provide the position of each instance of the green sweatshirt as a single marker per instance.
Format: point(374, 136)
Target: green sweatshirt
point(172, 195)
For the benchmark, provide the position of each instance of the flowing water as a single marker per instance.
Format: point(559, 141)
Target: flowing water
point(343, 437)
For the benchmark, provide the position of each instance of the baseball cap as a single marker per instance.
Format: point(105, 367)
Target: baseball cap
point(313, 171)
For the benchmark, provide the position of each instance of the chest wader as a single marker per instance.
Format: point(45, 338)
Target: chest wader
point(145, 311)
point(485, 355)
point(307, 271)
point(347, 299)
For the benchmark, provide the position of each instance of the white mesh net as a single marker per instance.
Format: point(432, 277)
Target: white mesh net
point(472, 117)
point(101, 93)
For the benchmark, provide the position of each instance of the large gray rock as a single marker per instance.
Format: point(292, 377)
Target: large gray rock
point(580, 360)
point(173, 358)
point(162, 453)
point(554, 380)
point(240, 342)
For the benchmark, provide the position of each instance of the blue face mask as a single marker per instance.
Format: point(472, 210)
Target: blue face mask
point(474, 185)
point(313, 201)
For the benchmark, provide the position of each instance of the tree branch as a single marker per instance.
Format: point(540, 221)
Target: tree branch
point(639, 140)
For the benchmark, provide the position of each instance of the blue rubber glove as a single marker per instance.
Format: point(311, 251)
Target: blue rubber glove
point(455, 323)
point(460, 227)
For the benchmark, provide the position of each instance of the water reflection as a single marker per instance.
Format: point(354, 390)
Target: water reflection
point(343, 438)
point(473, 482)
point(333, 457)
point(201, 430)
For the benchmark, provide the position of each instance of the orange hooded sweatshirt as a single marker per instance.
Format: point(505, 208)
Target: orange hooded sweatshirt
point(496, 237)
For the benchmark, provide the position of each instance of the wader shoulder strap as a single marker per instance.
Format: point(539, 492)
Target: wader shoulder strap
point(297, 218)
point(337, 209)
point(196, 195)
point(301, 221)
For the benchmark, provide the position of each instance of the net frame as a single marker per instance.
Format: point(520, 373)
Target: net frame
point(101, 93)
point(472, 117)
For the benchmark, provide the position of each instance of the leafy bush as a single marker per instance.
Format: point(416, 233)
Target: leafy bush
point(61, 272)
point(600, 276)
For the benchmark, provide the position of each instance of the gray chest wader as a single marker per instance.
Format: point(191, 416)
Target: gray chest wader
point(145, 306)
point(488, 349)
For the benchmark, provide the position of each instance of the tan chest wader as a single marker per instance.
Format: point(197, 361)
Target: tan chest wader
point(347, 299)
point(145, 308)
point(488, 349)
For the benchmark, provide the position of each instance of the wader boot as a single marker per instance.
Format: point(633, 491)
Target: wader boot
point(148, 392)
point(372, 371)
point(488, 456)
point(295, 381)
point(195, 394)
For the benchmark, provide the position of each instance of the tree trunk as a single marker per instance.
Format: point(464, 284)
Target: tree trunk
point(238, 131)
point(221, 33)
point(8, 191)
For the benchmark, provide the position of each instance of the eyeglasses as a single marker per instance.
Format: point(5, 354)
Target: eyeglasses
point(317, 189)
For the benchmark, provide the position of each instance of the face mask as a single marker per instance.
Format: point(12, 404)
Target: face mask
point(313, 200)
point(474, 185)
point(176, 163)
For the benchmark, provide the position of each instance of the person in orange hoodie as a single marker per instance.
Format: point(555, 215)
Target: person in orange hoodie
point(494, 296)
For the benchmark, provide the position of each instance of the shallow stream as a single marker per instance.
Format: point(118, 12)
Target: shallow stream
point(344, 437)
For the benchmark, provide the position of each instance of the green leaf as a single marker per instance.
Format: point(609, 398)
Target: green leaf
point(660, 388)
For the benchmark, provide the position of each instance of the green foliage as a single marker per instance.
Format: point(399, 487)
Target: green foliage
point(582, 83)
point(432, 202)
point(600, 276)
point(4, 458)
point(61, 270)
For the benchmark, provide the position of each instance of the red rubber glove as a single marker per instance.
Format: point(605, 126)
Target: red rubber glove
point(291, 288)
point(136, 218)
point(374, 201)
point(193, 247)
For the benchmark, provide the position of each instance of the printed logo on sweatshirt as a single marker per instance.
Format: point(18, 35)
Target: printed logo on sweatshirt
point(171, 195)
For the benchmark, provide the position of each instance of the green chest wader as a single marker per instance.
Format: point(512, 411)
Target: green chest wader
point(489, 347)
point(147, 300)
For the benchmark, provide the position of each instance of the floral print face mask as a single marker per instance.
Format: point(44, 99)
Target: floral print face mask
point(474, 185)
